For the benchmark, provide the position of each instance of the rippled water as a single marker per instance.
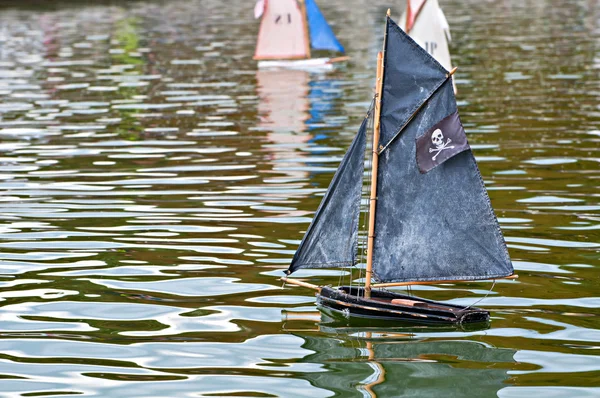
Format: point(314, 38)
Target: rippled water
point(153, 183)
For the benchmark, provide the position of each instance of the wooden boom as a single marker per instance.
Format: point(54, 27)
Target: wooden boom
point(300, 283)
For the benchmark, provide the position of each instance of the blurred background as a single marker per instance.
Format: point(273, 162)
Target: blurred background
point(154, 183)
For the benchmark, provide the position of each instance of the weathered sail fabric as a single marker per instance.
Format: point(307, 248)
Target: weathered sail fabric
point(282, 31)
point(332, 237)
point(437, 225)
point(321, 35)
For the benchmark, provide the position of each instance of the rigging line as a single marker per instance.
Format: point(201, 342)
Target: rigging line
point(359, 241)
point(362, 233)
point(448, 76)
point(367, 205)
point(361, 247)
point(363, 207)
point(487, 294)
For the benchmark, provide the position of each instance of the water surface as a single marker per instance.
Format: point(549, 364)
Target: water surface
point(154, 183)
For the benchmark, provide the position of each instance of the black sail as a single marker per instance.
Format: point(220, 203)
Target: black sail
point(434, 220)
point(331, 239)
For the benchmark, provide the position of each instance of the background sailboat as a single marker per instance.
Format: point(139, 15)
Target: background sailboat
point(430, 219)
point(289, 30)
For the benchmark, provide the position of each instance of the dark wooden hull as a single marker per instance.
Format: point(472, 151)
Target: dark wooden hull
point(385, 305)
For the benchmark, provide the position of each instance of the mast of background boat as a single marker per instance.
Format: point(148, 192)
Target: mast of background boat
point(306, 28)
point(409, 14)
point(375, 162)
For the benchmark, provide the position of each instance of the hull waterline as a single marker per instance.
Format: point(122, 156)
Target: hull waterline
point(313, 64)
point(390, 306)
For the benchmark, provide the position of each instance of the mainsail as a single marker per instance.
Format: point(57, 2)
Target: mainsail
point(321, 35)
point(332, 237)
point(434, 219)
point(282, 33)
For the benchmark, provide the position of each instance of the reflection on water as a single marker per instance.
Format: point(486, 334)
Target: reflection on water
point(154, 184)
point(283, 111)
point(399, 360)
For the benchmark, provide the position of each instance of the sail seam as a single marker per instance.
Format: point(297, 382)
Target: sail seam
point(448, 278)
point(345, 262)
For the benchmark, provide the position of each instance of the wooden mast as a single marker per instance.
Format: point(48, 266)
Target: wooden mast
point(375, 163)
point(306, 32)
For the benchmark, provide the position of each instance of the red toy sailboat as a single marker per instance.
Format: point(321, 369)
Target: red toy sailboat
point(289, 30)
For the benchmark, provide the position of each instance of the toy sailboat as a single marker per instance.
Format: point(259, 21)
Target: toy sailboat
point(289, 29)
point(429, 216)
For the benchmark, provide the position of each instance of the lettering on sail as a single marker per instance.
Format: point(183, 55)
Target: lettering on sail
point(279, 17)
point(430, 47)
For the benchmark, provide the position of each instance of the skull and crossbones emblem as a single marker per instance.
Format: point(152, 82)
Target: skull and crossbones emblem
point(437, 138)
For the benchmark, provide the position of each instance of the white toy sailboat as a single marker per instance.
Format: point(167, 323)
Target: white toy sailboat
point(289, 30)
point(430, 220)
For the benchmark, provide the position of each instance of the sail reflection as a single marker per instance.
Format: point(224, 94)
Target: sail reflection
point(294, 110)
point(284, 104)
point(283, 110)
point(393, 361)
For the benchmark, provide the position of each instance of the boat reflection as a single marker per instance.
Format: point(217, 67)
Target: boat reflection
point(293, 110)
point(332, 322)
point(283, 110)
point(284, 104)
point(375, 360)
